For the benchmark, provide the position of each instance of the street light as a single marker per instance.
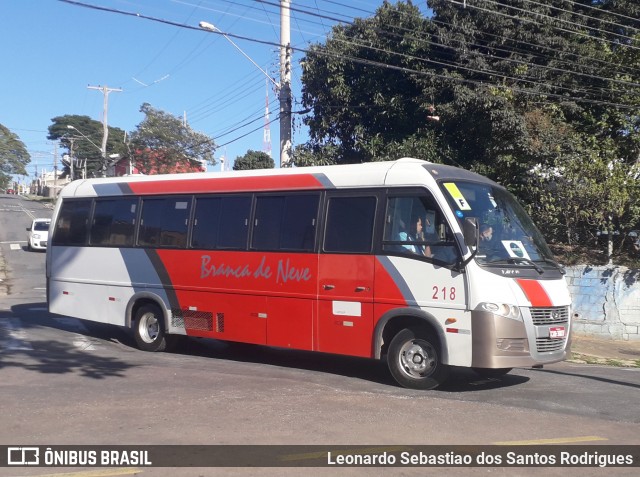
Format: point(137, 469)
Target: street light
point(212, 28)
point(284, 87)
point(69, 126)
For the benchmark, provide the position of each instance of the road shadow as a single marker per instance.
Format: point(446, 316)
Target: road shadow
point(52, 358)
point(591, 377)
point(48, 356)
point(461, 380)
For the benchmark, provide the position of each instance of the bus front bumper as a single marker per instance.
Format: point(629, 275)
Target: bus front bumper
point(499, 342)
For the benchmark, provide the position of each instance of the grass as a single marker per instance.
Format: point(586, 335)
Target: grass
point(618, 363)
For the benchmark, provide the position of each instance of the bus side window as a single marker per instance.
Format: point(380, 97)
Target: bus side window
point(114, 222)
point(285, 222)
point(416, 227)
point(350, 222)
point(234, 221)
point(164, 222)
point(71, 226)
point(206, 222)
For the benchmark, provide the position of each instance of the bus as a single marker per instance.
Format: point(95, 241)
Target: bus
point(424, 265)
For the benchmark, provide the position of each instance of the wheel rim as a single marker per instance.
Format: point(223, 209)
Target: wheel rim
point(149, 328)
point(418, 359)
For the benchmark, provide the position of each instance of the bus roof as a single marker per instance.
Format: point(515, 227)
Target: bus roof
point(405, 171)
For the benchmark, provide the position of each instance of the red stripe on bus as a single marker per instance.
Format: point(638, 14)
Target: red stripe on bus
point(535, 293)
point(227, 184)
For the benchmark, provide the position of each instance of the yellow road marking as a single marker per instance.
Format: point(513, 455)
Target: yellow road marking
point(97, 473)
point(557, 440)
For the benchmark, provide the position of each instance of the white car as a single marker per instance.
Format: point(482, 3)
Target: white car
point(38, 234)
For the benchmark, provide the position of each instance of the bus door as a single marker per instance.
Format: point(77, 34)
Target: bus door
point(346, 276)
point(418, 267)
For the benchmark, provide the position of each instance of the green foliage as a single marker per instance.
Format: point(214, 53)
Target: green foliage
point(13, 156)
point(163, 143)
point(542, 96)
point(354, 100)
point(84, 141)
point(253, 160)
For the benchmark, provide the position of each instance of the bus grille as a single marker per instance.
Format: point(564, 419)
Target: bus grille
point(554, 315)
point(194, 320)
point(544, 345)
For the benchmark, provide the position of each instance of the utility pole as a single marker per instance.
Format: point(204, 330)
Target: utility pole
point(105, 128)
point(71, 159)
point(284, 88)
point(55, 170)
point(285, 84)
point(266, 138)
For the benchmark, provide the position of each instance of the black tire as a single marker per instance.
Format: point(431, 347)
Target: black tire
point(491, 372)
point(415, 360)
point(149, 329)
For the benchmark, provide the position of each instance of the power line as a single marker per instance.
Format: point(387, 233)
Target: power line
point(575, 32)
point(380, 64)
point(277, 118)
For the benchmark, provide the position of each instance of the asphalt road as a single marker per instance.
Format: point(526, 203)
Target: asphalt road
point(65, 381)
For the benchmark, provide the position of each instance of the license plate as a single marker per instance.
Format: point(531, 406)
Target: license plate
point(556, 332)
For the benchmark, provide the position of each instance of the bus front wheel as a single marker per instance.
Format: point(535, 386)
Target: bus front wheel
point(149, 329)
point(415, 361)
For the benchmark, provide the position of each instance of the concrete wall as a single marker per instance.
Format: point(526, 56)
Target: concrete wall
point(606, 301)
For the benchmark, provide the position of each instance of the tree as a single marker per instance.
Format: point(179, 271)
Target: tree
point(568, 78)
point(529, 93)
point(363, 87)
point(162, 143)
point(13, 156)
point(253, 160)
point(84, 141)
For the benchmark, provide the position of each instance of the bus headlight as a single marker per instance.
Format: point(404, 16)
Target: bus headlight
point(502, 309)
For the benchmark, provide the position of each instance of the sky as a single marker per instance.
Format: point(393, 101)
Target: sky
point(54, 50)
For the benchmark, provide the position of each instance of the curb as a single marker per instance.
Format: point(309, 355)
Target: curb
point(3, 276)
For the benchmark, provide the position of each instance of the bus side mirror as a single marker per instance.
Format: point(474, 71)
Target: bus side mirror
point(471, 232)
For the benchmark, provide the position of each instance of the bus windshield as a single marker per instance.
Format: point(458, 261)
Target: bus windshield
point(507, 233)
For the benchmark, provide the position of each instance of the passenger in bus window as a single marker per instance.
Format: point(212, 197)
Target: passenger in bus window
point(415, 235)
point(486, 233)
point(486, 245)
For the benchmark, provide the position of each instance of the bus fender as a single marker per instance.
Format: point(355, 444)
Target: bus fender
point(147, 297)
point(414, 316)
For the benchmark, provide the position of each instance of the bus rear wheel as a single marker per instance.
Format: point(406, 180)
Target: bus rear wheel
point(149, 329)
point(415, 361)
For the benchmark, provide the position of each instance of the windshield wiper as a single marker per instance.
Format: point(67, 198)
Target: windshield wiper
point(556, 264)
point(526, 261)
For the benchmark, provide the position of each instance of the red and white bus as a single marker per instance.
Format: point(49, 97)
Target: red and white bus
point(379, 260)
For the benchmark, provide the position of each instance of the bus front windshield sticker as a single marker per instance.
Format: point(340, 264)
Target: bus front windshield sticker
point(515, 249)
point(457, 196)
